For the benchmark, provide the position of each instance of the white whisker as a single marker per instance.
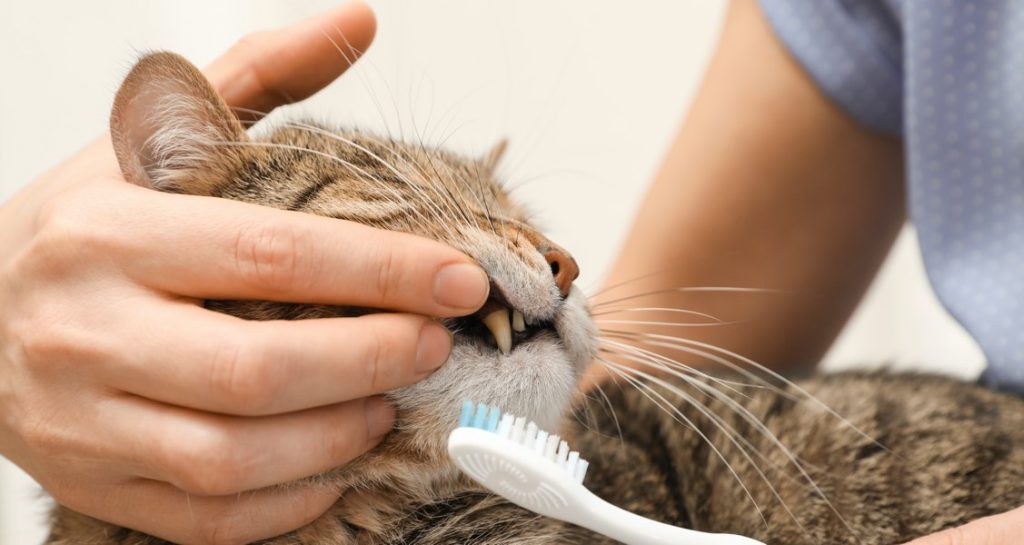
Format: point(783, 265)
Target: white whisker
point(641, 355)
point(691, 289)
point(667, 324)
point(426, 199)
point(645, 338)
point(773, 374)
point(658, 309)
point(678, 416)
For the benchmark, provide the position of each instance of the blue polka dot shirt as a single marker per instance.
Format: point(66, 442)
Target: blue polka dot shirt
point(948, 77)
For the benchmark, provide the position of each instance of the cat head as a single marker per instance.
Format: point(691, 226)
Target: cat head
point(523, 351)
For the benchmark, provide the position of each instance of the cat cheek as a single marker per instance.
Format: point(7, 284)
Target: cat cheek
point(577, 330)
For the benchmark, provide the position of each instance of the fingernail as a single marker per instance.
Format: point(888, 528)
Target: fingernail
point(461, 286)
point(434, 346)
point(380, 417)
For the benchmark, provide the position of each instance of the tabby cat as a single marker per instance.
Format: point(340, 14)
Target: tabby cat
point(909, 456)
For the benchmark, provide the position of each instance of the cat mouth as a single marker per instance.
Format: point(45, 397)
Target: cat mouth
point(500, 325)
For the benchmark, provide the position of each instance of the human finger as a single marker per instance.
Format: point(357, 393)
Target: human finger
point(209, 454)
point(221, 249)
point(187, 518)
point(255, 368)
point(269, 68)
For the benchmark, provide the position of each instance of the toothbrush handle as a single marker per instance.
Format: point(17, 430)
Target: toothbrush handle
point(632, 529)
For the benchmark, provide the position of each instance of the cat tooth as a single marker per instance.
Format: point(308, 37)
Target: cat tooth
point(518, 322)
point(497, 323)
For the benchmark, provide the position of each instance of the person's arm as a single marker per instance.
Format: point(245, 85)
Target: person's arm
point(767, 185)
point(128, 401)
point(1002, 529)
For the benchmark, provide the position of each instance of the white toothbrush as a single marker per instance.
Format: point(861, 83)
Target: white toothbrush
point(536, 471)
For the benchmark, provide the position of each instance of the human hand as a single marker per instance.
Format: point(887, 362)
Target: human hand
point(1003, 529)
point(128, 401)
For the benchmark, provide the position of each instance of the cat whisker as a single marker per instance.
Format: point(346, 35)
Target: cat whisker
point(325, 155)
point(605, 401)
point(617, 285)
point(425, 198)
point(736, 438)
point(709, 388)
point(631, 351)
point(451, 199)
point(436, 181)
point(804, 395)
point(449, 115)
point(355, 53)
point(681, 373)
point(645, 338)
point(256, 115)
point(351, 56)
point(659, 401)
point(667, 324)
point(659, 309)
point(432, 182)
point(673, 342)
point(482, 199)
point(790, 455)
point(690, 289)
point(513, 187)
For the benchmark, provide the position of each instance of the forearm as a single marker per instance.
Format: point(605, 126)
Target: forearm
point(767, 185)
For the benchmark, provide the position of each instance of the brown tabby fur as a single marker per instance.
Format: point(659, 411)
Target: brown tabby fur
point(916, 454)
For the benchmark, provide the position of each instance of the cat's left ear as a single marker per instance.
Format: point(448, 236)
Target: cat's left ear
point(170, 128)
point(493, 156)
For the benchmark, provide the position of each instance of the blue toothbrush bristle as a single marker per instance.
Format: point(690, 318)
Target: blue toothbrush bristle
point(466, 417)
point(551, 447)
point(480, 417)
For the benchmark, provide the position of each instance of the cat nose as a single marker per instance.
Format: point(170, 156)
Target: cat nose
point(563, 268)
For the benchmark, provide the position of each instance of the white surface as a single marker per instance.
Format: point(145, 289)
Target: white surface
point(588, 93)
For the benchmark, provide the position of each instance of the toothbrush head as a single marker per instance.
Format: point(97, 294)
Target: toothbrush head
point(536, 471)
point(527, 434)
point(516, 459)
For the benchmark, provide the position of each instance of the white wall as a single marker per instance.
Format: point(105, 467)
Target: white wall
point(588, 93)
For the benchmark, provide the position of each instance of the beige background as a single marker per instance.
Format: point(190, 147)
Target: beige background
point(589, 94)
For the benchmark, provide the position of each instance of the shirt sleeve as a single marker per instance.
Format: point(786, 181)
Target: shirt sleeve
point(853, 51)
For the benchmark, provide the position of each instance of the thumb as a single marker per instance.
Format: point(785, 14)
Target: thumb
point(1003, 529)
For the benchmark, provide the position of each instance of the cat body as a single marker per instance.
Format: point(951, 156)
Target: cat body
point(868, 459)
point(916, 455)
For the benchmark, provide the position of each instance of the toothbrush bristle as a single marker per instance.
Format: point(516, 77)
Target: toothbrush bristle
point(480, 417)
point(540, 443)
point(492, 419)
point(505, 427)
point(581, 470)
point(466, 418)
point(518, 430)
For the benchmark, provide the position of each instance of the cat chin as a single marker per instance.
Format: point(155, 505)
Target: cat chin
point(537, 379)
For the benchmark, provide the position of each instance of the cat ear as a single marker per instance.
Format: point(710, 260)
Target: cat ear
point(493, 156)
point(169, 127)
